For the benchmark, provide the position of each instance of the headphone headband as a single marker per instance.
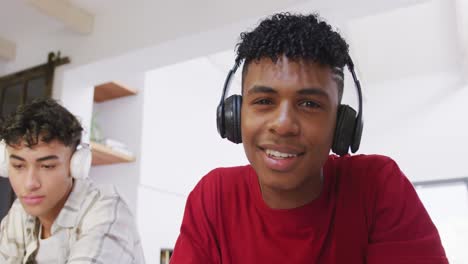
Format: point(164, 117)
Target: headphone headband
point(227, 82)
point(357, 83)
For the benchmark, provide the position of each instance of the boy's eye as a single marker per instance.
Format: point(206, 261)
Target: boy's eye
point(48, 166)
point(17, 166)
point(263, 101)
point(310, 104)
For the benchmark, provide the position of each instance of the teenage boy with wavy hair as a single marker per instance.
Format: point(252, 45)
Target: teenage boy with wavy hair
point(59, 216)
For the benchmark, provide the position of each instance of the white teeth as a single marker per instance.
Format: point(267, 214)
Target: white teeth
point(278, 154)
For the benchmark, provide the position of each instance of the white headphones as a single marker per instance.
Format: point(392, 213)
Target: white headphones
point(80, 162)
point(3, 160)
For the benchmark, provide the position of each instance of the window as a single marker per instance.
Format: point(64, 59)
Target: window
point(447, 203)
point(24, 86)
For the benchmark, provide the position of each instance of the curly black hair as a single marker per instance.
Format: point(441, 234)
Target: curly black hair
point(42, 119)
point(296, 37)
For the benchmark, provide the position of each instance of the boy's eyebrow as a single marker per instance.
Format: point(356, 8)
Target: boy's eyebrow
point(47, 158)
point(261, 89)
point(13, 156)
point(305, 91)
point(313, 91)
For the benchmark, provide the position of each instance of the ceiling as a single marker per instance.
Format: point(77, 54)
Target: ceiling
point(389, 40)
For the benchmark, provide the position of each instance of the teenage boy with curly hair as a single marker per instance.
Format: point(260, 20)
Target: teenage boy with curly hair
point(294, 202)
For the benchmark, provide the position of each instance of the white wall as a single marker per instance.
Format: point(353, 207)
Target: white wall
point(180, 145)
point(420, 122)
point(393, 45)
point(448, 207)
point(179, 126)
point(159, 218)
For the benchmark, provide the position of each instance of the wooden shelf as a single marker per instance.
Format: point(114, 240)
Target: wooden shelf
point(111, 90)
point(103, 155)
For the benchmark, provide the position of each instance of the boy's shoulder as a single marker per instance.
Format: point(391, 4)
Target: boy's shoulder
point(366, 161)
point(90, 202)
point(366, 175)
point(17, 214)
point(362, 166)
point(86, 189)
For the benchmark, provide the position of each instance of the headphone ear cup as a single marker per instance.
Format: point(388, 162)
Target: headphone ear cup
point(232, 118)
point(80, 163)
point(357, 136)
point(344, 131)
point(3, 160)
point(220, 120)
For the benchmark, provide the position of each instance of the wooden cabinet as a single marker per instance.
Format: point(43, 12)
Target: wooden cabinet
point(102, 154)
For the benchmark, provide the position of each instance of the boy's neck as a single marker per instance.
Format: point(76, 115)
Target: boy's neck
point(45, 229)
point(303, 195)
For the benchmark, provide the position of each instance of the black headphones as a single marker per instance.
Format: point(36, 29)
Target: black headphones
point(348, 129)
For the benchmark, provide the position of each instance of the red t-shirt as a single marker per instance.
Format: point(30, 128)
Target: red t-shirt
point(367, 212)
